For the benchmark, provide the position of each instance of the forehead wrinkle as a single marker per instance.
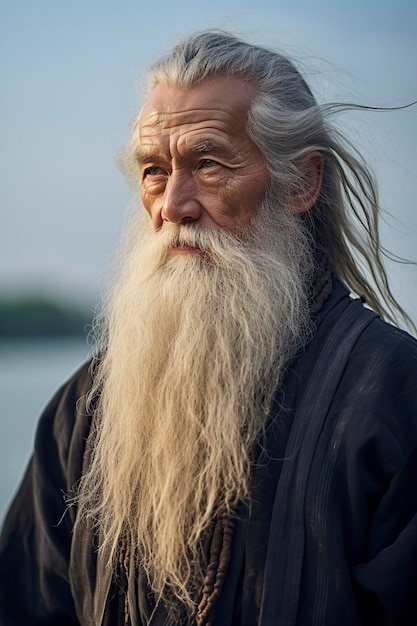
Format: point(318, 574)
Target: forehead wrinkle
point(150, 147)
point(187, 131)
point(166, 119)
point(205, 136)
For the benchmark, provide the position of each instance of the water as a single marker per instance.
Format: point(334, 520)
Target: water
point(30, 373)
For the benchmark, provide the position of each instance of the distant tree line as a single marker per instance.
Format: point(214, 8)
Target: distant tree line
point(42, 316)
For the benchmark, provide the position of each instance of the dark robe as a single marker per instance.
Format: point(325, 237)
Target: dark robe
point(330, 538)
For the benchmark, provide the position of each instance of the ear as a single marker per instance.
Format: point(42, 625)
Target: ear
point(312, 167)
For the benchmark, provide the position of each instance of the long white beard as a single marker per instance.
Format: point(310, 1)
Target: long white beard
point(194, 346)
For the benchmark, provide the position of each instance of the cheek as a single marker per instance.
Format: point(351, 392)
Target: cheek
point(258, 184)
point(149, 203)
point(248, 196)
point(232, 211)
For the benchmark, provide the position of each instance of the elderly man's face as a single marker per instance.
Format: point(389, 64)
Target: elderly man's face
point(196, 160)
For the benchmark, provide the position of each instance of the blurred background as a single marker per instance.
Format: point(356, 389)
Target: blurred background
point(71, 79)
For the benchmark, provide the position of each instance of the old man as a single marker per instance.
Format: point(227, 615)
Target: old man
point(242, 448)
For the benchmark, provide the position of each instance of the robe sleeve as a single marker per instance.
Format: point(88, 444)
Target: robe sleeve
point(35, 545)
point(380, 504)
point(386, 578)
point(360, 561)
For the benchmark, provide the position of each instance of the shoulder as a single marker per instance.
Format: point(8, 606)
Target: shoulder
point(68, 404)
point(64, 426)
point(389, 341)
point(373, 410)
point(382, 359)
point(384, 356)
point(377, 396)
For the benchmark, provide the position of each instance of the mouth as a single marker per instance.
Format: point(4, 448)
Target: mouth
point(184, 249)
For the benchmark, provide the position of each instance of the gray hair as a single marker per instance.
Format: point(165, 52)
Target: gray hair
point(287, 124)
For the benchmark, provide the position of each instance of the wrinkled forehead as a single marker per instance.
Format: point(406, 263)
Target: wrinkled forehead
point(220, 97)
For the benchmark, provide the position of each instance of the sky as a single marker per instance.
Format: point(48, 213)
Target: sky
point(72, 75)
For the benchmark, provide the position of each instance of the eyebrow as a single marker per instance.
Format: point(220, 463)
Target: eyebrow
point(142, 156)
point(206, 146)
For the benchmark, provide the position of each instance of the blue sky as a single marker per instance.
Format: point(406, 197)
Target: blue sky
point(71, 82)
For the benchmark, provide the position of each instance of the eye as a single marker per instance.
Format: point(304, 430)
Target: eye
point(207, 163)
point(153, 170)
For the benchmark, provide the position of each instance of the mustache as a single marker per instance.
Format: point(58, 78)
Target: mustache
point(210, 242)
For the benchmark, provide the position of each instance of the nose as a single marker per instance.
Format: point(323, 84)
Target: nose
point(180, 203)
